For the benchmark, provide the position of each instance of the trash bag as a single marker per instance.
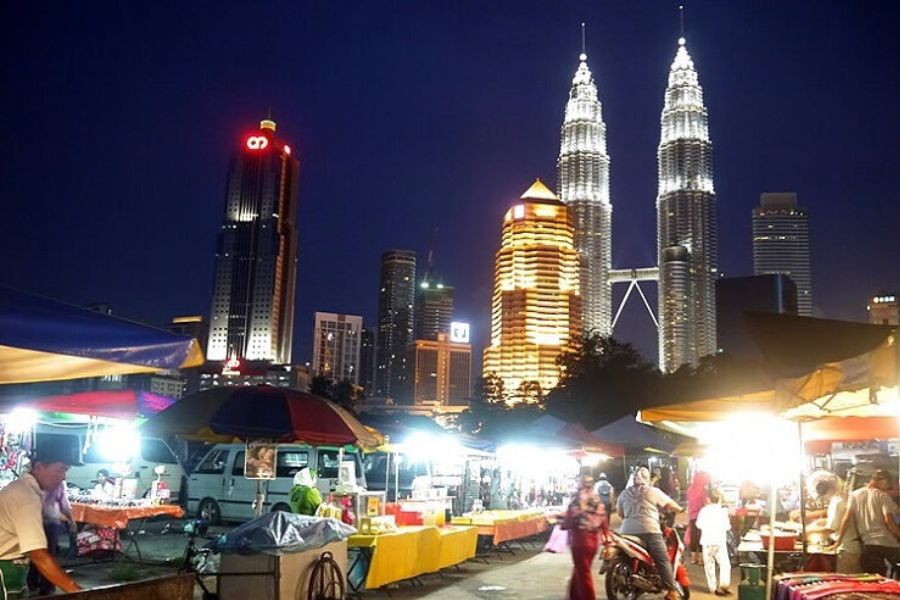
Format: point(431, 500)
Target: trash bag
point(281, 533)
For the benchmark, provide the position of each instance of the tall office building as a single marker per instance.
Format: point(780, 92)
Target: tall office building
point(395, 324)
point(337, 341)
point(442, 372)
point(884, 309)
point(367, 360)
point(192, 326)
point(434, 309)
point(583, 185)
point(536, 306)
point(252, 315)
point(686, 222)
point(781, 244)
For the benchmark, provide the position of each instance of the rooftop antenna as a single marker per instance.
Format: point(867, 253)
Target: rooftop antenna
point(583, 45)
point(681, 17)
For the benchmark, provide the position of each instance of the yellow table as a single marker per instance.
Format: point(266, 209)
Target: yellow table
point(413, 551)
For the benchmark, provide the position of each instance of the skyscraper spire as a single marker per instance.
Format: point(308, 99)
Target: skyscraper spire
point(583, 184)
point(686, 221)
point(583, 43)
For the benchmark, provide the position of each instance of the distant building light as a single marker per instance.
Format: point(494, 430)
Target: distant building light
point(257, 142)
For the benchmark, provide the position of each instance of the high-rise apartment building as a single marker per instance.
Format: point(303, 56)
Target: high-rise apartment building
point(686, 221)
point(536, 306)
point(433, 310)
point(583, 185)
point(884, 309)
point(442, 372)
point(192, 326)
point(781, 244)
point(252, 314)
point(337, 341)
point(396, 298)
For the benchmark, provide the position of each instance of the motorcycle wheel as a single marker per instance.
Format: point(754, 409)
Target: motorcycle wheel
point(684, 592)
point(618, 575)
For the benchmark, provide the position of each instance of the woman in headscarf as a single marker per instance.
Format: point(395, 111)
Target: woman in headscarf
point(305, 497)
point(639, 508)
point(585, 519)
point(697, 496)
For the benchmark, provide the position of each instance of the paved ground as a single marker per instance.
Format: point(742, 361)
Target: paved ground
point(529, 573)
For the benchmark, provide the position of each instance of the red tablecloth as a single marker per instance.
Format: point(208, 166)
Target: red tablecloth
point(118, 518)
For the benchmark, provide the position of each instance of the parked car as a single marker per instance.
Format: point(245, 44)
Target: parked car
point(150, 453)
point(218, 491)
point(377, 467)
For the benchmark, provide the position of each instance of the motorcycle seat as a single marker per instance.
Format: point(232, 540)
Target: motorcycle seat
point(633, 538)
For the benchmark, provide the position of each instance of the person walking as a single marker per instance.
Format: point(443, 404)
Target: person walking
point(714, 524)
point(872, 510)
point(697, 495)
point(585, 519)
point(605, 491)
point(639, 508)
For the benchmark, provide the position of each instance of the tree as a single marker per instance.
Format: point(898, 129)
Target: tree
point(601, 381)
point(322, 386)
point(489, 414)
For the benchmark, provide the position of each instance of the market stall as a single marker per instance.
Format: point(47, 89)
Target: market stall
point(502, 526)
point(819, 370)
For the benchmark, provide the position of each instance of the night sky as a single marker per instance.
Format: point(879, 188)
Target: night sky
point(117, 121)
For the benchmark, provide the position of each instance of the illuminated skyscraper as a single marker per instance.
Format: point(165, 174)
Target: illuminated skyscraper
point(536, 308)
point(252, 315)
point(395, 324)
point(583, 184)
point(884, 309)
point(686, 222)
point(781, 244)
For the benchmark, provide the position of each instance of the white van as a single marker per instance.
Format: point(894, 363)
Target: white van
point(217, 489)
point(153, 452)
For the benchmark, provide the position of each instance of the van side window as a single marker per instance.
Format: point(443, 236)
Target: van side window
point(238, 467)
point(328, 464)
point(213, 464)
point(291, 461)
point(156, 451)
point(92, 455)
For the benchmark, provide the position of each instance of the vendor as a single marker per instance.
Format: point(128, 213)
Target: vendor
point(22, 538)
point(305, 497)
point(106, 487)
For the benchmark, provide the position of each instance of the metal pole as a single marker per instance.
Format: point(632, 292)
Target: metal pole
point(260, 498)
point(802, 493)
point(770, 562)
point(387, 475)
point(397, 478)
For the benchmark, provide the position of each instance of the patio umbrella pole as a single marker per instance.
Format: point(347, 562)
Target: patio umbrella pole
point(260, 498)
point(397, 478)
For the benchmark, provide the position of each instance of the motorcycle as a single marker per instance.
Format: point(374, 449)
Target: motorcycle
point(631, 572)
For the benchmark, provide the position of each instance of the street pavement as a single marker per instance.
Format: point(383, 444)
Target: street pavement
point(526, 573)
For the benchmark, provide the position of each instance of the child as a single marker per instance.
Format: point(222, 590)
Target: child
point(714, 524)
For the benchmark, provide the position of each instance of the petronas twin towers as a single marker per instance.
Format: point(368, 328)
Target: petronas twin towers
point(686, 217)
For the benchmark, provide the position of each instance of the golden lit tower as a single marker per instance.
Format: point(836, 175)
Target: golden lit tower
point(536, 308)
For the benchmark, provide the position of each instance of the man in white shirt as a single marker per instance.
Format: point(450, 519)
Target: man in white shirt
point(22, 536)
point(872, 510)
point(714, 524)
point(850, 549)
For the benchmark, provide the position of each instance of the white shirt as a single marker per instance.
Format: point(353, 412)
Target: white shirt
point(870, 506)
point(21, 521)
point(836, 509)
point(714, 524)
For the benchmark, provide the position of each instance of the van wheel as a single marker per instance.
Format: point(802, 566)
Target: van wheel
point(281, 507)
point(209, 511)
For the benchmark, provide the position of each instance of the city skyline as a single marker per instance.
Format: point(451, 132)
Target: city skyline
point(765, 105)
